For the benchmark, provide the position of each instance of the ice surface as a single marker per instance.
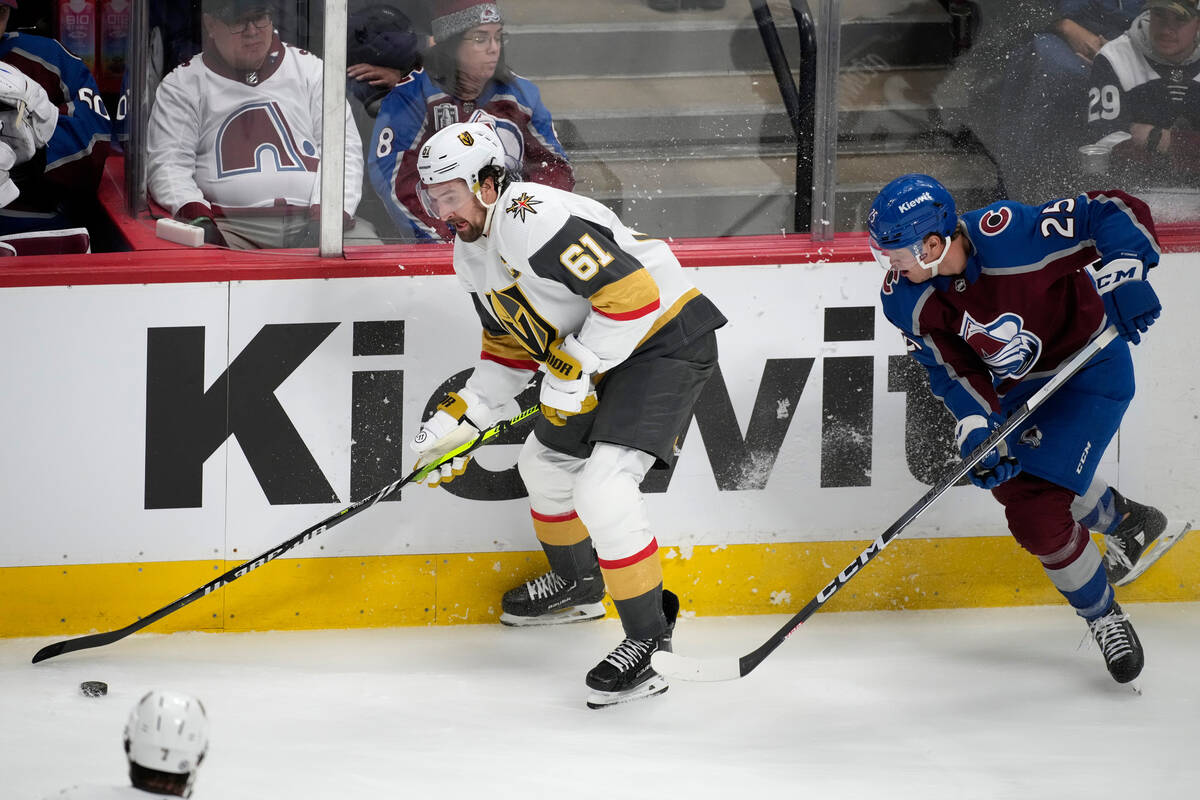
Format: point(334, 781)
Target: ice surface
point(969, 704)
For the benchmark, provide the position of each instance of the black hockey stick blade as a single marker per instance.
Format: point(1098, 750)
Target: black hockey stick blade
point(674, 665)
point(108, 637)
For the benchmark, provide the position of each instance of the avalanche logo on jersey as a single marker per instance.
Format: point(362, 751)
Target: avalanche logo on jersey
point(1005, 346)
point(523, 205)
point(257, 129)
point(890, 279)
point(995, 221)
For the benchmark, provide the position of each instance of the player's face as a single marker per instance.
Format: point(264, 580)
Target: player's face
point(4, 12)
point(455, 204)
point(242, 42)
point(479, 52)
point(1173, 36)
point(918, 262)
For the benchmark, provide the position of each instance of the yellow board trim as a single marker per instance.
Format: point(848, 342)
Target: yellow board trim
point(385, 591)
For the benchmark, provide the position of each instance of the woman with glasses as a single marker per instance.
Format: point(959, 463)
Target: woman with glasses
point(463, 73)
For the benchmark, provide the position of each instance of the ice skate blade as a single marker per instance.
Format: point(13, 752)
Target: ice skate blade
point(1158, 548)
point(579, 613)
point(655, 686)
point(1135, 686)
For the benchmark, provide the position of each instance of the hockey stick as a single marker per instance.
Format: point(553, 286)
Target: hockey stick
point(101, 639)
point(729, 668)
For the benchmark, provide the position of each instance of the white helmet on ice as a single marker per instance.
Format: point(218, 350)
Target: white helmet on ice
point(167, 732)
point(462, 150)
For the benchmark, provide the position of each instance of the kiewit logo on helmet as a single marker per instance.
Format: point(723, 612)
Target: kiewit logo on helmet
point(916, 202)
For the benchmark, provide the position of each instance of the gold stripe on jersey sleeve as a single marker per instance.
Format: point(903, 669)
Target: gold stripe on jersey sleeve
point(625, 298)
point(506, 347)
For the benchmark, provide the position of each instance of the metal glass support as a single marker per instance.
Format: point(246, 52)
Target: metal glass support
point(333, 129)
point(797, 101)
point(137, 107)
point(824, 190)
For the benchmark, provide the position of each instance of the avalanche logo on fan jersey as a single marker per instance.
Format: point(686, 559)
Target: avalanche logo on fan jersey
point(523, 205)
point(1005, 346)
point(256, 131)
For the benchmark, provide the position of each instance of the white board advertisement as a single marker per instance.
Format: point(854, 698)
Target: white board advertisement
point(187, 421)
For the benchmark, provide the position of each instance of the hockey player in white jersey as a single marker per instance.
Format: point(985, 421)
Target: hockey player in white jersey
point(166, 739)
point(234, 138)
point(626, 344)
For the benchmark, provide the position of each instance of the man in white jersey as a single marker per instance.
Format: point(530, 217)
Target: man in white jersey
point(166, 740)
point(234, 140)
point(626, 344)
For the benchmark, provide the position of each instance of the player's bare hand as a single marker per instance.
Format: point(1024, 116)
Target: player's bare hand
point(375, 75)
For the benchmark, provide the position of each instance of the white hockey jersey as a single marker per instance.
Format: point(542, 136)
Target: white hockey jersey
point(556, 263)
point(236, 140)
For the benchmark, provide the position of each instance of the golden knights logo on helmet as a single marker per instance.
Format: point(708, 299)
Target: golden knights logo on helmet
point(466, 138)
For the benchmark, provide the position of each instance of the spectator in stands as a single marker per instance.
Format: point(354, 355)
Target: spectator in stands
point(234, 140)
point(384, 44)
point(54, 139)
point(464, 72)
point(1046, 77)
point(1145, 90)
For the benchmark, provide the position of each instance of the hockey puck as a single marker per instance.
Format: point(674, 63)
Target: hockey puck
point(93, 688)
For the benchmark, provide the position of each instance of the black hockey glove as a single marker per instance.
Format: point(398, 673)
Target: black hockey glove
point(212, 234)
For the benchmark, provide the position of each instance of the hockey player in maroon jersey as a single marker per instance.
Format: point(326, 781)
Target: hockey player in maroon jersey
point(992, 303)
point(54, 139)
point(626, 344)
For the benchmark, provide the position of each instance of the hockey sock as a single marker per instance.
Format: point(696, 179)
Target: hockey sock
point(635, 585)
point(642, 616)
point(566, 543)
point(1097, 510)
point(1077, 571)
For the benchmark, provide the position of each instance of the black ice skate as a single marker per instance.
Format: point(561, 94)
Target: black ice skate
point(550, 599)
point(1119, 643)
point(625, 674)
point(1138, 541)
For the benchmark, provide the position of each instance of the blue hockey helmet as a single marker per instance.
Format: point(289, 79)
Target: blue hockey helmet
point(906, 211)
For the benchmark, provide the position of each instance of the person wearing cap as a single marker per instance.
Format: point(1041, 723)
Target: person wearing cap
point(465, 72)
point(54, 138)
point(1144, 93)
point(234, 138)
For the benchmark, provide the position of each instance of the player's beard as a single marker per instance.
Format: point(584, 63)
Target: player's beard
point(468, 234)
